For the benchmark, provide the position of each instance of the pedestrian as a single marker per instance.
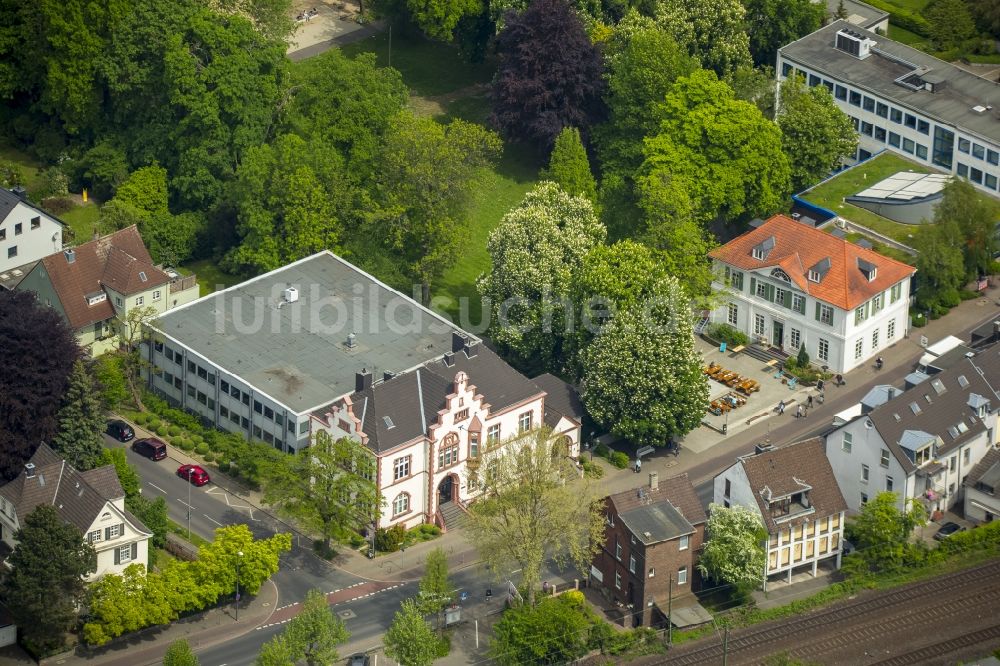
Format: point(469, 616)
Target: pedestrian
point(809, 402)
point(878, 363)
point(781, 407)
point(802, 411)
point(638, 465)
point(819, 384)
point(840, 379)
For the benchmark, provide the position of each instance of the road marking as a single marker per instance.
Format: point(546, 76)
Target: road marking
point(158, 488)
point(184, 503)
point(213, 520)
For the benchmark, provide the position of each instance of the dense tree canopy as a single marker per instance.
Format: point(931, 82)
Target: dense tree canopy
point(534, 252)
point(950, 23)
point(410, 639)
point(771, 24)
point(44, 584)
point(311, 636)
point(569, 167)
point(553, 632)
point(35, 376)
point(714, 31)
point(642, 377)
point(734, 547)
point(80, 439)
point(881, 530)
point(714, 155)
point(549, 75)
point(976, 217)
point(815, 133)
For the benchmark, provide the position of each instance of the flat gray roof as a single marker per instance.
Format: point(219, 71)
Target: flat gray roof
point(858, 13)
point(297, 353)
point(952, 105)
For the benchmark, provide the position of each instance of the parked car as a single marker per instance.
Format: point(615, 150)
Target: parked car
point(196, 474)
point(151, 447)
point(947, 530)
point(358, 660)
point(120, 430)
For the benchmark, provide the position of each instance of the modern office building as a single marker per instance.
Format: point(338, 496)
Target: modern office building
point(904, 100)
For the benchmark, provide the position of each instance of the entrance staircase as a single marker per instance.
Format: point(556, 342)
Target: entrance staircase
point(701, 322)
point(765, 353)
point(453, 516)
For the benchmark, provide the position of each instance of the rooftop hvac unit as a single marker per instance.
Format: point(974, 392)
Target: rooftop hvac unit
point(291, 294)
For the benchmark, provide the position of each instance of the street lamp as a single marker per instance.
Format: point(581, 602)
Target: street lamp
point(238, 560)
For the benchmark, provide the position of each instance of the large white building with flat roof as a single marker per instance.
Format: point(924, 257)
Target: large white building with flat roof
point(321, 346)
point(904, 100)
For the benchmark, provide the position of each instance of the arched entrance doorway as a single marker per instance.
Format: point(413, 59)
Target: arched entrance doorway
point(447, 489)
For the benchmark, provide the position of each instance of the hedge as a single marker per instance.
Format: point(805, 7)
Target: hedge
point(904, 18)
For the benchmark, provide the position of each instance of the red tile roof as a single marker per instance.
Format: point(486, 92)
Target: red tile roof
point(798, 247)
point(115, 260)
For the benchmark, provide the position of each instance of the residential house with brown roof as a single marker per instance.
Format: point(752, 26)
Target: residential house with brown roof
point(790, 285)
point(982, 489)
point(27, 233)
point(652, 538)
point(920, 443)
point(320, 345)
point(794, 491)
point(91, 501)
point(96, 284)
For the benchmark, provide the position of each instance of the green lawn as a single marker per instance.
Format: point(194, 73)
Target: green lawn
point(29, 166)
point(429, 68)
point(210, 276)
point(81, 221)
point(831, 193)
point(906, 37)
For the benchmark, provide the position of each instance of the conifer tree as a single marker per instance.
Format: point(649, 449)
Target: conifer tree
point(81, 422)
point(569, 167)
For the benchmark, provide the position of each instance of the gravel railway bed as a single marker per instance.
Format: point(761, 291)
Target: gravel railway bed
point(861, 629)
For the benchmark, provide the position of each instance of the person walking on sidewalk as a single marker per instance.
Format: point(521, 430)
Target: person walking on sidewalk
point(781, 407)
point(638, 465)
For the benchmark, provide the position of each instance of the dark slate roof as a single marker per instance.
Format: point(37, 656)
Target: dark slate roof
point(656, 522)
point(789, 469)
point(561, 399)
point(987, 471)
point(79, 497)
point(501, 385)
point(9, 201)
point(935, 406)
point(668, 512)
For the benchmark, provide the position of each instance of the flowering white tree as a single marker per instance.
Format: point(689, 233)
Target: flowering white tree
point(534, 252)
point(734, 547)
point(642, 375)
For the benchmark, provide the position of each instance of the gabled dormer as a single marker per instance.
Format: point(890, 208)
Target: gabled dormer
point(819, 270)
point(787, 506)
point(868, 269)
point(761, 250)
point(979, 405)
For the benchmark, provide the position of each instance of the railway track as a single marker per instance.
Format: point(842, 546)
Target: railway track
point(860, 619)
point(944, 648)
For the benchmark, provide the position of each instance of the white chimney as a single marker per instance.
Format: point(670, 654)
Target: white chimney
point(291, 294)
point(29, 470)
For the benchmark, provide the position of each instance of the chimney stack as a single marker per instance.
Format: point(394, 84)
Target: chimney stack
point(20, 192)
point(362, 380)
point(449, 359)
point(471, 348)
point(29, 470)
point(70, 255)
point(457, 341)
point(654, 481)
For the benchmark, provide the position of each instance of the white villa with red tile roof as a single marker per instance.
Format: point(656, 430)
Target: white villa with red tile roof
point(790, 284)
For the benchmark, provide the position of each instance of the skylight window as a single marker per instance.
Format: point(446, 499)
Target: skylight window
point(915, 408)
point(142, 275)
point(962, 381)
point(389, 425)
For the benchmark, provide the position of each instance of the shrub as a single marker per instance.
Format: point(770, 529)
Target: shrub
point(141, 418)
point(198, 440)
point(201, 449)
point(592, 470)
point(802, 358)
point(388, 540)
point(602, 450)
point(186, 445)
point(173, 431)
point(968, 295)
point(208, 457)
point(355, 540)
point(160, 429)
point(619, 459)
point(949, 298)
point(728, 334)
point(224, 467)
point(58, 205)
point(917, 320)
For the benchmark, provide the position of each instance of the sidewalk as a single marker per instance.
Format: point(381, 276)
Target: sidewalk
point(203, 630)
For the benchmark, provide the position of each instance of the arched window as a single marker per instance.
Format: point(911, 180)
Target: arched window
point(781, 275)
point(451, 439)
point(401, 504)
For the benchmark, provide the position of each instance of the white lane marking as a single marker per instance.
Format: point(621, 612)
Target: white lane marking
point(184, 503)
point(213, 520)
point(158, 488)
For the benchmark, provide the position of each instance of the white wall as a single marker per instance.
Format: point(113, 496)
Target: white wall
point(866, 449)
point(31, 244)
point(740, 492)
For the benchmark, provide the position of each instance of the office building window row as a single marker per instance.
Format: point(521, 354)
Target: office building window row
point(976, 175)
point(884, 135)
point(978, 151)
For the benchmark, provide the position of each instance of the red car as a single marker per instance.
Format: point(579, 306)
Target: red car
point(196, 474)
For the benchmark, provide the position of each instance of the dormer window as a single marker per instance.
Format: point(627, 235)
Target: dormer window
point(814, 276)
point(868, 269)
point(761, 250)
point(819, 270)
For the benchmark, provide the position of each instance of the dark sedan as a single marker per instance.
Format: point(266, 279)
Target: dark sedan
point(120, 430)
point(947, 530)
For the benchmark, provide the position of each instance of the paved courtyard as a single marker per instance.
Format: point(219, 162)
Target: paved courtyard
point(333, 25)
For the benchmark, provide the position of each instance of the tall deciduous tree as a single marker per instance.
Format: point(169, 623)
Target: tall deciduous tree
point(428, 171)
point(125, 604)
point(642, 375)
point(771, 24)
point(734, 548)
point(35, 376)
point(44, 585)
point(976, 217)
point(80, 438)
point(569, 166)
point(439, 18)
point(553, 632)
point(312, 636)
point(950, 23)
point(881, 529)
point(549, 75)
point(714, 31)
point(533, 507)
point(815, 133)
point(940, 262)
point(272, 18)
point(534, 252)
point(325, 486)
point(436, 591)
point(716, 154)
point(410, 639)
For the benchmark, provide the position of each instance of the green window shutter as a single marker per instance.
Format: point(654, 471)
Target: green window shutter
point(788, 299)
point(817, 311)
point(135, 551)
point(118, 556)
point(770, 292)
point(753, 286)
